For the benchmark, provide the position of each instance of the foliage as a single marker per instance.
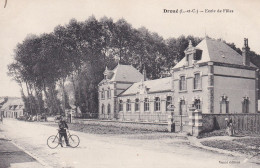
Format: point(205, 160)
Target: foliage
point(78, 53)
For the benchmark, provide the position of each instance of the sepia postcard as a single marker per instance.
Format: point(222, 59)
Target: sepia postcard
point(129, 83)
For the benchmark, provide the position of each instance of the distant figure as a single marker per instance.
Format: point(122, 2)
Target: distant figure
point(2, 118)
point(62, 130)
point(230, 126)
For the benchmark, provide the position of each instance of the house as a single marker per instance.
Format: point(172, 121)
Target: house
point(114, 83)
point(215, 79)
point(13, 108)
point(212, 78)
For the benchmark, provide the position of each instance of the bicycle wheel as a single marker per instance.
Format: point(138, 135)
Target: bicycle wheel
point(74, 141)
point(53, 141)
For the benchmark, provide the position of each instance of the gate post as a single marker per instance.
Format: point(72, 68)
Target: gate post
point(198, 122)
point(171, 125)
point(191, 119)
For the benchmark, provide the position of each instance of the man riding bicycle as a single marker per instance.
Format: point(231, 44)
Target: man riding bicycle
point(62, 130)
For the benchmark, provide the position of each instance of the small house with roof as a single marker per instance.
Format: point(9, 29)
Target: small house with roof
point(13, 108)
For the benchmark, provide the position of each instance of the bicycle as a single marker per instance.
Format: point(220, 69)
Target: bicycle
point(54, 140)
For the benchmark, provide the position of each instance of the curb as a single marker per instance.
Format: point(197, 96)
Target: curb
point(33, 156)
point(194, 142)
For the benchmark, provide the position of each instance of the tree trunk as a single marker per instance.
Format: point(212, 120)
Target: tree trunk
point(29, 97)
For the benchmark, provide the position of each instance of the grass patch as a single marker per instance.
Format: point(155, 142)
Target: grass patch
point(213, 133)
point(127, 130)
point(234, 146)
point(110, 129)
point(253, 142)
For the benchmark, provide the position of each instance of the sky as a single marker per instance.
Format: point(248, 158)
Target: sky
point(23, 17)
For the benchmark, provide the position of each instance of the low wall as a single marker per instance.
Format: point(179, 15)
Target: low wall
point(159, 127)
point(242, 122)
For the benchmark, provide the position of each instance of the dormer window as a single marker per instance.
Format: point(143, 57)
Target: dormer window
point(108, 74)
point(103, 94)
point(198, 54)
point(109, 93)
point(192, 54)
point(189, 59)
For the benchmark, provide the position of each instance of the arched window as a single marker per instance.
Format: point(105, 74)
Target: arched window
point(157, 104)
point(137, 105)
point(146, 104)
point(197, 104)
point(103, 109)
point(168, 102)
point(121, 105)
point(108, 109)
point(197, 81)
point(224, 104)
point(245, 105)
point(128, 105)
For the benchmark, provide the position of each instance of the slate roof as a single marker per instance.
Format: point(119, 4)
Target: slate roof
point(216, 51)
point(125, 73)
point(157, 85)
point(12, 102)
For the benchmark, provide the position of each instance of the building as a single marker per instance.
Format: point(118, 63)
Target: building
point(215, 79)
point(146, 101)
point(212, 77)
point(13, 108)
point(114, 83)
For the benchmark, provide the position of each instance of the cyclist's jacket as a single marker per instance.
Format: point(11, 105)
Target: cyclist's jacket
point(62, 126)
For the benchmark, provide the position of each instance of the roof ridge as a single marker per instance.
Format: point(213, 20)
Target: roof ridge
point(207, 47)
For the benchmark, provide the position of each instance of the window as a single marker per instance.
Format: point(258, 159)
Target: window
point(136, 104)
point(197, 81)
point(182, 83)
point(157, 104)
point(108, 109)
point(197, 104)
point(102, 94)
point(103, 109)
point(146, 104)
point(245, 105)
point(224, 104)
point(128, 105)
point(189, 59)
point(182, 107)
point(109, 93)
point(168, 102)
point(120, 105)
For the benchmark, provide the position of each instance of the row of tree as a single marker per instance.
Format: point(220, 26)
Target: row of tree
point(64, 67)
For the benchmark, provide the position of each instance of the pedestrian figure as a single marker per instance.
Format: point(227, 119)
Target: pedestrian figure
point(1, 118)
point(62, 130)
point(230, 127)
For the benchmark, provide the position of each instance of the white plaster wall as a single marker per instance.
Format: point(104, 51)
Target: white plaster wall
point(188, 96)
point(235, 89)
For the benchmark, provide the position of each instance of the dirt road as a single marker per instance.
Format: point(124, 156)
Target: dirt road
point(98, 151)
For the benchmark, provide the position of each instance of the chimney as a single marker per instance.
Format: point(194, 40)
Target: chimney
point(144, 73)
point(245, 53)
